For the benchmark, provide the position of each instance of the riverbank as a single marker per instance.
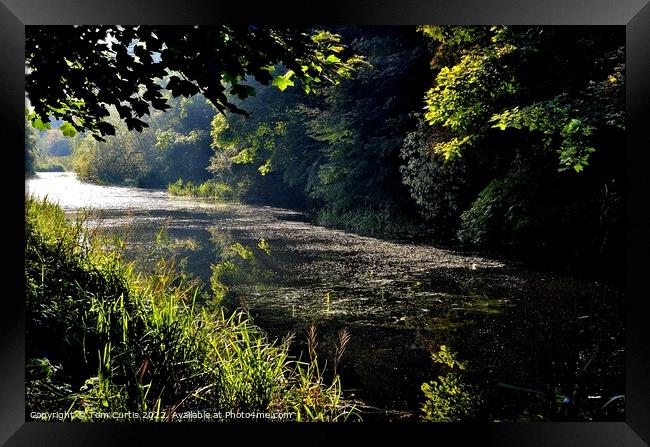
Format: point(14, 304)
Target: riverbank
point(389, 224)
point(103, 339)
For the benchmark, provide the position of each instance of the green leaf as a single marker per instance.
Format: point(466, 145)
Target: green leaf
point(40, 125)
point(245, 156)
point(282, 82)
point(333, 59)
point(242, 91)
point(68, 130)
point(265, 168)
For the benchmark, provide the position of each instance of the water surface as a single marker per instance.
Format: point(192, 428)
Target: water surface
point(525, 335)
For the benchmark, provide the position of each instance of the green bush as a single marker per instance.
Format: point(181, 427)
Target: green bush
point(449, 398)
point(442, 190)
point(210, 189)
point(494, 218)
point(52, 164)
point(529, 214)
point(50, 167)
point(103, 338)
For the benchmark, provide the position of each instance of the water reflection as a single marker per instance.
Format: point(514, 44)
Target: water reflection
point(526, 337)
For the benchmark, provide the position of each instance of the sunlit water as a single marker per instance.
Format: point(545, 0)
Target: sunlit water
point(523, 334)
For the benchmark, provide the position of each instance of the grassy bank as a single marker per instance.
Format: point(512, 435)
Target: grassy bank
point(102, 338)
point(379, 222)
point(53, 164)
point(367, 221)
point(210, 189)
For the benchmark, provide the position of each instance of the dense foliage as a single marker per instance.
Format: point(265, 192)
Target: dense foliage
point(174, 146)
point(504, 139)
point(337, 150)
point(78, 73)
point(523, 151)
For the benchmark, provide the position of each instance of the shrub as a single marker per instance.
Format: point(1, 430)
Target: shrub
point(494, 217)
point(449, 398)
point(210, 189)
point(52, 164)
point(441, 189)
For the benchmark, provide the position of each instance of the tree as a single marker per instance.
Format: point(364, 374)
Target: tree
point(521, 150)
point(54, 143)
point(339, 147)
point(361, 122)
point(78, 73)
point(268, 156)
point(31, 147)
point(560, 84)
point(176, 145)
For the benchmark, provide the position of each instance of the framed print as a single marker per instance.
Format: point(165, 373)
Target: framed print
point(400, 220)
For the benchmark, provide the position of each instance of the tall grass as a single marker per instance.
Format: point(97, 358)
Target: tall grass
point(379, 221)
point(210, 189)
point(104, 337)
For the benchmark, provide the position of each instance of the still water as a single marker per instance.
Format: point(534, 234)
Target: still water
point(529, 338)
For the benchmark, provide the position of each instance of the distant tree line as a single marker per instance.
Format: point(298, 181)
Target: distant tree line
point(176, 144)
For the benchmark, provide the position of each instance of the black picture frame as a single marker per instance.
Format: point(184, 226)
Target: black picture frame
point(633, 14)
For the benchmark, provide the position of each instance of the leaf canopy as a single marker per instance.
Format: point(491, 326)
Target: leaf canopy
point(78, 73)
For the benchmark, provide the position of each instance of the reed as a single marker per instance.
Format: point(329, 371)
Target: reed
point(104, 336)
